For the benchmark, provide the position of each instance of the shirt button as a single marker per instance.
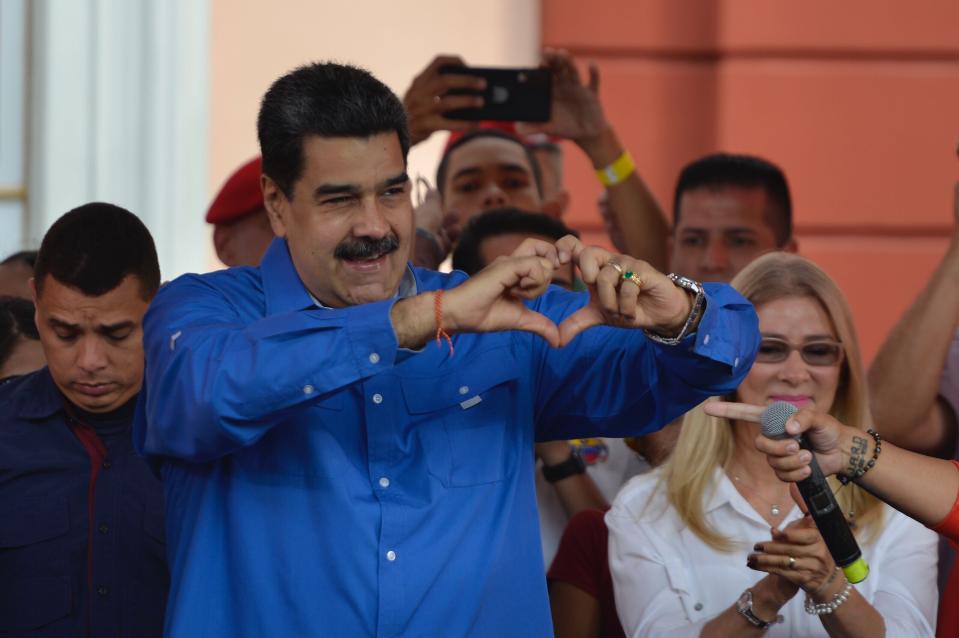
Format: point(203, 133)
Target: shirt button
point(103, 591)
point(307, 389)
point(384, 482)
point(464, 389)
point(736, 362)
point(374, 358)
point(377, 398)
point(391, 555)
point(107, 465)
point(103, 529)
point(706, 340)
point(698, 606)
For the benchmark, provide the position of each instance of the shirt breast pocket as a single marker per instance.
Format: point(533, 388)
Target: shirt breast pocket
point(463, 419)
point(35, 586)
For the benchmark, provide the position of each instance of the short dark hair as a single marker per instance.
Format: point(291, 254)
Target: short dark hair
point(94, 247)
point(327, 100)
point(480, 133)
point(16, 320)
point(26, 257)
point(726, 169)
point(502, 221)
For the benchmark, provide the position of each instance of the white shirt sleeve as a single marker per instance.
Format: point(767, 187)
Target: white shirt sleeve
point(906, 593)
point(647, 579)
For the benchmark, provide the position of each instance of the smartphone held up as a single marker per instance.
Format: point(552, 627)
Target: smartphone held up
point(511, 94)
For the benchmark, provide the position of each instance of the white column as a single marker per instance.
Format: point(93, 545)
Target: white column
point(119, 114)
point(13, 76)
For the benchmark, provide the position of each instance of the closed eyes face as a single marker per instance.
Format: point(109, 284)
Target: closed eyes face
point(93, 345)
point(800, 359)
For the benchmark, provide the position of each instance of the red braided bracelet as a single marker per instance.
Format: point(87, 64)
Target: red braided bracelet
point(438, 314)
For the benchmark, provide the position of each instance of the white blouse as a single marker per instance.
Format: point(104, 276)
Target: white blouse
point(668, 582)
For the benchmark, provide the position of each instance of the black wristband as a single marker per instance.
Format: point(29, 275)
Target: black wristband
point(569, 467)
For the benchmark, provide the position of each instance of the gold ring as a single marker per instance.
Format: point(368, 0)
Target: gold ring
point(792, 563)
point(629, 275)
point(618, 268)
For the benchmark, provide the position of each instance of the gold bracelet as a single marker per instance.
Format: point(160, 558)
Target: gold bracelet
point(616, 172)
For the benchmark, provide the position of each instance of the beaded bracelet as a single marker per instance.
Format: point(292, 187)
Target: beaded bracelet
point(845, 480)
point(826, 583)
point(818, 609)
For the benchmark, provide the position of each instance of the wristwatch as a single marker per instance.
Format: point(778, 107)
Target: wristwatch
point(571, 466)
point(695, 289)
point(745, 608)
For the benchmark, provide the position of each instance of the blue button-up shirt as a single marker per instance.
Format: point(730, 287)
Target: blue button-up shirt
point(322, 481)
point(61, 571)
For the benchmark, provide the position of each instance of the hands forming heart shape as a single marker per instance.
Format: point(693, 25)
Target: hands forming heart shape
point(623, 292)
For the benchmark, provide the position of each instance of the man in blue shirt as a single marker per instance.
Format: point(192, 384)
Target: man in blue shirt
point(329, 469)
point(82, 549)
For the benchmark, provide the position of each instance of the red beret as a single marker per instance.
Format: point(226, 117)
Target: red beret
point(506, 127)
point(239, 196)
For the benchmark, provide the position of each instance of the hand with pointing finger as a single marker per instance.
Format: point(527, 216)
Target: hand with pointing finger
point(826, 437)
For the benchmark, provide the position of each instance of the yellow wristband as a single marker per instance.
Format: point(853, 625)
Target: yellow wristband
point(616, 172)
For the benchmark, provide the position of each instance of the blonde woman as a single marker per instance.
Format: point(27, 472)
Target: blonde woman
point(712, 544)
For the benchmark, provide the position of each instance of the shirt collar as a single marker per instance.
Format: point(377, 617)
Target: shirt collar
point(282, 288)
point(38, 396)
point(725, 493)
point(285, 292)
point(722, 492)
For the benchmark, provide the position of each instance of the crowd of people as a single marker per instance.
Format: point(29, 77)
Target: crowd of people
point(455, 418)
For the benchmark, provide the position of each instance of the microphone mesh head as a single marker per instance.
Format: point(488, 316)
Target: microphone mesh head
point(775, 417)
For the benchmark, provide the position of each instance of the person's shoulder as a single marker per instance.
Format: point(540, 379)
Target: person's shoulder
point(238, 289)
point(898, 528)
point(18, 391)
point(242, 278)
point(588, 519)
point(428, 279)
point(641, 496)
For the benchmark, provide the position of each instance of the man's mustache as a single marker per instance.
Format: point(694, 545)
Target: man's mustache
point(366, 247)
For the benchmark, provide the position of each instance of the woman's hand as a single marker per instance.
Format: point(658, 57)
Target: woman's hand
point(797, 553)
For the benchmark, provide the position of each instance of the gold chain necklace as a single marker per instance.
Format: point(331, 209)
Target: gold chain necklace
point(774, 508)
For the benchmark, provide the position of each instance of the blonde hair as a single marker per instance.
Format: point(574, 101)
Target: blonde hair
point(706, 443)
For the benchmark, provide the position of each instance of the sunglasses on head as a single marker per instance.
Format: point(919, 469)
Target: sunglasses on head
point(815, 353)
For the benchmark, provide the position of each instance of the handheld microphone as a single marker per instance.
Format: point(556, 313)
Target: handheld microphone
point(819, 499)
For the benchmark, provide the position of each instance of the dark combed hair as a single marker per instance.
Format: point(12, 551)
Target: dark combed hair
point(16, 320)
point(480, 133)
point(327, 100)
point(502, 221)
point(94, 247)
point(26, 257)
point(724, 169)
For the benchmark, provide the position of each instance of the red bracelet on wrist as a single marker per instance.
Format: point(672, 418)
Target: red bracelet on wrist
point(438, 314)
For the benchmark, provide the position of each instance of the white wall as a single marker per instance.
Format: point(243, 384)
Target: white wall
point(253, 43)
point(13, 83)
point(151, 104)
point(118, 113)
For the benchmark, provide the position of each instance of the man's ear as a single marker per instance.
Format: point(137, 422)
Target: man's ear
point(32, 282)
point(276, 204)
point(791, 246)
